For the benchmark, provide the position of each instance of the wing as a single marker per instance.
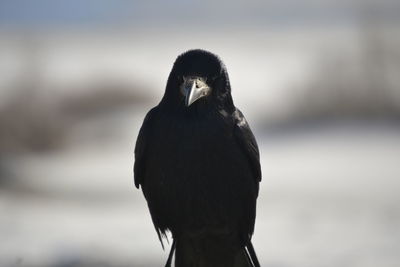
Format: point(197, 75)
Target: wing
point(248, 143)
point(140, 148)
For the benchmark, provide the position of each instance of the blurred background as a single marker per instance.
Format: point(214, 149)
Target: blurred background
point(317, 80)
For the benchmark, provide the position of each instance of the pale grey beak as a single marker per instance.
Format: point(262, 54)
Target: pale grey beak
point(194, 89)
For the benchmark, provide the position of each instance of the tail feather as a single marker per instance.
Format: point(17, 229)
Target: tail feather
point(211, 252)
point(252, 255)
point(242, 259)
point(171, 254)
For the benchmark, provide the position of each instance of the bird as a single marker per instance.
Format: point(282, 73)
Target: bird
point(198, 164)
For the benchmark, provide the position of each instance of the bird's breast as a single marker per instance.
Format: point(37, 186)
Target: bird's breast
point(195, 172)
point(196, 156)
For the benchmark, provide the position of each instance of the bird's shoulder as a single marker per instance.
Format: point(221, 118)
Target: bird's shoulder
point(141, 144)
point(239, 118)
point(247, 142)
point(147, 125)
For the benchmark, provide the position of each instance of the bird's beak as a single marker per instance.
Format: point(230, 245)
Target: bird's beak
point(194, 89)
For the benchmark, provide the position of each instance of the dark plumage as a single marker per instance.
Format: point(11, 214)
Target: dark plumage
point(197, 162)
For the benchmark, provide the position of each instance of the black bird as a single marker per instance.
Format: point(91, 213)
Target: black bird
point(197, 162)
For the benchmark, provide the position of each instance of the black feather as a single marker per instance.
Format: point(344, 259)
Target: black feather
point(199, 168)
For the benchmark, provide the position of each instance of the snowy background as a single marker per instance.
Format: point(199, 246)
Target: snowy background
point(317, 80)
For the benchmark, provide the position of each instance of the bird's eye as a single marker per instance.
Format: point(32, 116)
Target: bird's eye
point(212, 79)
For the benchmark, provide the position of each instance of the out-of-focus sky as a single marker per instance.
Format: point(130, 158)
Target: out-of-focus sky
point(317, 80)
point(47, 13)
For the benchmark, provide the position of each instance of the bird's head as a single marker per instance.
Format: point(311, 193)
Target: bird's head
point(198, 76)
